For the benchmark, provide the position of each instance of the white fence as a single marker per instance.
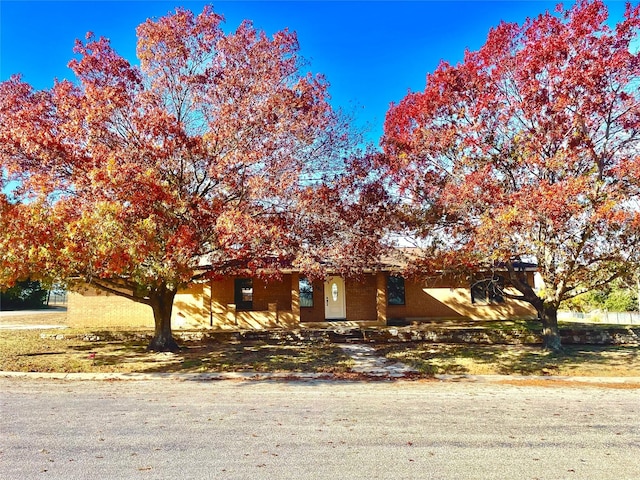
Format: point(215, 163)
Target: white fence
point(599, 316)
point(57, 298)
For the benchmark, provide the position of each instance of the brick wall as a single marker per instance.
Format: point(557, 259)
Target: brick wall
point(420, 303)
point(203, 305)
point(459, 300)
point(90, 307)
point(360, 295)
point(361, 298)
point(266, 295)
point(447, 299)
point(273, 291)
point(191, 307)
point(315, 313)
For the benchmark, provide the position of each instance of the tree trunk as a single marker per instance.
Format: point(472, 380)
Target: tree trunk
point(550, 333)
point(547, 314)
point(162, 304)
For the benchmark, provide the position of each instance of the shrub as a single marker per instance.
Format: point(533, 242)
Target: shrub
point(24, 295)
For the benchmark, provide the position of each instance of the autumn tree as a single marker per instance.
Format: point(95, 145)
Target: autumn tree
point(529, 149)
point(141, 179)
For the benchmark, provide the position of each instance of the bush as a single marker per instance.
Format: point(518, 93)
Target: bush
point(621, 301)
point(614, 298)
point(28, 294)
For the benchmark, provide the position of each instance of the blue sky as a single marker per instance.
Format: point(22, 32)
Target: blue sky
point(372, 52)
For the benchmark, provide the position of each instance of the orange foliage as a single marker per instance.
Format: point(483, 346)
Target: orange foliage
point(136, 176)
point(529, 148)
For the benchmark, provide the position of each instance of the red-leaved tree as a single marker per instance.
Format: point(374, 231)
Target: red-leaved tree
point(199, 162)
point(528, 150)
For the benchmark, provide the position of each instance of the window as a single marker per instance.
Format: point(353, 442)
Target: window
point(488, 290)
point(306, 292)
point(243, 293)
point(395, 290)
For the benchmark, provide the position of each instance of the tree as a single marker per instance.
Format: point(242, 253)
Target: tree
point(618, 296)
point(140, 180)
point(620, 300)
point(27, 294)
point(528, 150)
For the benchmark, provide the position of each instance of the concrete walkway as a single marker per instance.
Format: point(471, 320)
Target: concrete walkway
point(368, 362)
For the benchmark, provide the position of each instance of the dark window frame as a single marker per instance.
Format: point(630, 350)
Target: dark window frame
point(396, 291)
point(241, 294)
point(306, 298)
point(488, 291)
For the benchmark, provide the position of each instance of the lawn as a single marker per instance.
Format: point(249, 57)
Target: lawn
point(125, 352)
point(458, 359)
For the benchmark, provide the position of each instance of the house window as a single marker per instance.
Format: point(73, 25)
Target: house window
point(306, 292)
point(395, 291)
point(488, 290)
point(243, 293)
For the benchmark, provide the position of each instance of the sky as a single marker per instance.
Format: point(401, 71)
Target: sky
point(371, 52)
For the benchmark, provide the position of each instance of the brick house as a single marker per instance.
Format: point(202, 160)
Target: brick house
point(243, 302)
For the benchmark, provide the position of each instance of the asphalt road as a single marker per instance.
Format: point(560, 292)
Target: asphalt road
point(169, 429)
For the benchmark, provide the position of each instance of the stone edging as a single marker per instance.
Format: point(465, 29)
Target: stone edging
point(471, 335)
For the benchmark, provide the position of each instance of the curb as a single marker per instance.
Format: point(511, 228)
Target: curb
point(244, 376)
point(540, 378)
point(301, 376)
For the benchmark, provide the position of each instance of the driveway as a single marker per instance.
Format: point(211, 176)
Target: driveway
point(33, 319)
point(166, 429)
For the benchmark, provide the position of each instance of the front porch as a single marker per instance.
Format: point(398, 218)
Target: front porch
point(291, 302)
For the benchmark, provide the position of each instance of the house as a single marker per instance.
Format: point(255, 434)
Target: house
point(376, 298)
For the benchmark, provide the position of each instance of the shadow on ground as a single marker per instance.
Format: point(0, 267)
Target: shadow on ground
point(435, 359)
point(125, 352)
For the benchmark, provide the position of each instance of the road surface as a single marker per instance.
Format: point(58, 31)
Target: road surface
point(170, 429)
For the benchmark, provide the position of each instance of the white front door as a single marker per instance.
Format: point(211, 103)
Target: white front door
point(334, 301)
